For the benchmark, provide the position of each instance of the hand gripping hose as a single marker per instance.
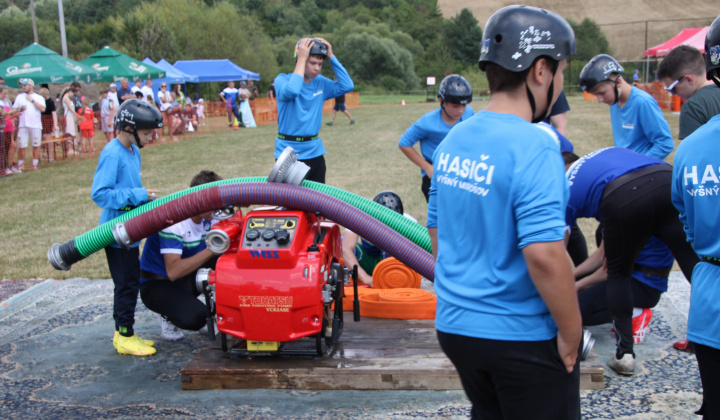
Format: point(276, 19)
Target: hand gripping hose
point(246, 193)
point(63, 256)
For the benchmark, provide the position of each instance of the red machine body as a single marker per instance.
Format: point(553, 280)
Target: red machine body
point(269, 285)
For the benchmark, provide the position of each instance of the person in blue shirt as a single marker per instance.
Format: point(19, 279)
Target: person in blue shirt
point(507, 310)
point(229, 96)
point(169, 264)
point(637, 122)
point(455, 94)
point(117, 189)
point(695, 194)
point(629, 194)
point(300, 99)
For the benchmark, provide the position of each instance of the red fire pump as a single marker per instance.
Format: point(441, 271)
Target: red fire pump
point(276, 283)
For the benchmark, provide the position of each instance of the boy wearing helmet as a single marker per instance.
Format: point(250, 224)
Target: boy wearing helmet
point(455, 94)
point(363, 253)
point(696, 164)
point(507, 311)
point(300, 99)
point(117, 188)
point(637, 122)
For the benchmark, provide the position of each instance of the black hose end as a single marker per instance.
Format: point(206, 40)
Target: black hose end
point(62, 257)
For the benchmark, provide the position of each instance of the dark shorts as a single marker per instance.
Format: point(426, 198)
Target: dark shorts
point(340, 107)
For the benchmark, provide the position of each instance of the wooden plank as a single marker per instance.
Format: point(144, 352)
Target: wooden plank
point(378, 354)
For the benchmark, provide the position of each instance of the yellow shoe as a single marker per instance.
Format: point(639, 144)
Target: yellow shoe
point(132, 345)
point(137, 337)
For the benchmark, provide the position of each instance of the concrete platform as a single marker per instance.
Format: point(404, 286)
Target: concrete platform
point(57, 361)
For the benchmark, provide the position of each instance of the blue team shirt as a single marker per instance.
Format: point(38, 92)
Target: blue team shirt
point(589, 176)
point(116, 183)
point(563, 143)
point(655, 254)
point(231, 93)
point(641, 126)
point(300, 107)
point(186, 239)
point(430, 130)
point(696, 195)
point(497, 187)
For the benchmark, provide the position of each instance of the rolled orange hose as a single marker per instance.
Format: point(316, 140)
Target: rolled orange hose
point(350, 296)
point(392, 274)
point(398, 304)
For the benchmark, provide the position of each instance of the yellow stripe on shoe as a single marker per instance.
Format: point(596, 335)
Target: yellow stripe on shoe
point(132, 345)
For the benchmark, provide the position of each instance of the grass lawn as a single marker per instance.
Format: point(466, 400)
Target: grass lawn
point(53, 204)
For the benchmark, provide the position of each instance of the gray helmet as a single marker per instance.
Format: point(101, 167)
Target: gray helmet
point(318, 48)
point(134, 115)
point(712, 52)
point(390, 200)
point(597, 70)
point(515, 36)
point(455, 89)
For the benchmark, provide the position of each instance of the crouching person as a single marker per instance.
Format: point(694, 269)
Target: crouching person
point(168, 266)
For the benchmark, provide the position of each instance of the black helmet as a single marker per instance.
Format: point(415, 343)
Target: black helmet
point(390, 200)
point(455, 89)
point(138, 115)
point(712, 51)
point(515, 36)
point(597, 70)
point(318, 48)
point(134, 115)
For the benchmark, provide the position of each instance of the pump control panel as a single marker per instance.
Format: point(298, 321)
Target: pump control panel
point(269, 232)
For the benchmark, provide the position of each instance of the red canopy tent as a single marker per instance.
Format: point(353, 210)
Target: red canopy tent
point(694, 37)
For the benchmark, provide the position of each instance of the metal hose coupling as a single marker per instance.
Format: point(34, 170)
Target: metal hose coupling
point(201, 279)
point(217, 241)
point(587, 344)
point(288, 169)
point(121, 236)
point(53, 255)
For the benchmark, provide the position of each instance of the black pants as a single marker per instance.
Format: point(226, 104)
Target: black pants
point(514, 379)
point(124, 267)
point(238, 114)
point(317, 169)
point(176, 301)
point(709, 364)
point(577, 247)
point(594, 305)
point(425, 187)
point(632, 213)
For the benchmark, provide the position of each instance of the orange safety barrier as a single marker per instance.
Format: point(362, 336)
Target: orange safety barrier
point(589, 96)
point(398, 304)
point(657, 91)
point(392, 274)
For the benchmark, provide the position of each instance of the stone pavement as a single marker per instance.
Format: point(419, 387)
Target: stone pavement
point(57, 361)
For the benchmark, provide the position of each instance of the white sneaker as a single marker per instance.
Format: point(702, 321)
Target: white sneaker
point(167, 330)
point(624, 366)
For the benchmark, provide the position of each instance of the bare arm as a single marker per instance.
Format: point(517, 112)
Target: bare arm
point(551, 274)
point(433, 241)
point(178, 267)
point(349, 242)
point(559, 121)
point(415, 158)
point(592, 263)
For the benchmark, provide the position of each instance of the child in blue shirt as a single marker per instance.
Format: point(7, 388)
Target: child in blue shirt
point(117, 188)
point(300, 99)
point(695, 194)
point(455, 94)
point(507, 308)
point(637, 122)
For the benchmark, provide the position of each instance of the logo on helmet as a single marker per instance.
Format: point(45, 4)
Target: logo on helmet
point(714, 54)
point(611, 67)
point(485, 47)
point(531, 39)
point(126, 117)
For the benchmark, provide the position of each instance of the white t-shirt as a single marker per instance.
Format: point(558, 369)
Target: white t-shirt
point(31, 117)
point(147, 93)
point(164, 96)
point(113, 97)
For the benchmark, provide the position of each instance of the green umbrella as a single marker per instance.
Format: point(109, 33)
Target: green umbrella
point(114, 65)
point(44, 65)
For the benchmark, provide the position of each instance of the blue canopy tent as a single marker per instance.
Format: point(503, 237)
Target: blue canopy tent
point(215, 70)
point(172, 75)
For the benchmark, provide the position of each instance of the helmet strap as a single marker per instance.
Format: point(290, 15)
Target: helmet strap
point(715, 76)
point(531, 98)
point(617, 92)
point(135, 136)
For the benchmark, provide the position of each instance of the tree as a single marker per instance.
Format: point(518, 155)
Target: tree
point(374, 57)
point(462, 37)
point(589, 39)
